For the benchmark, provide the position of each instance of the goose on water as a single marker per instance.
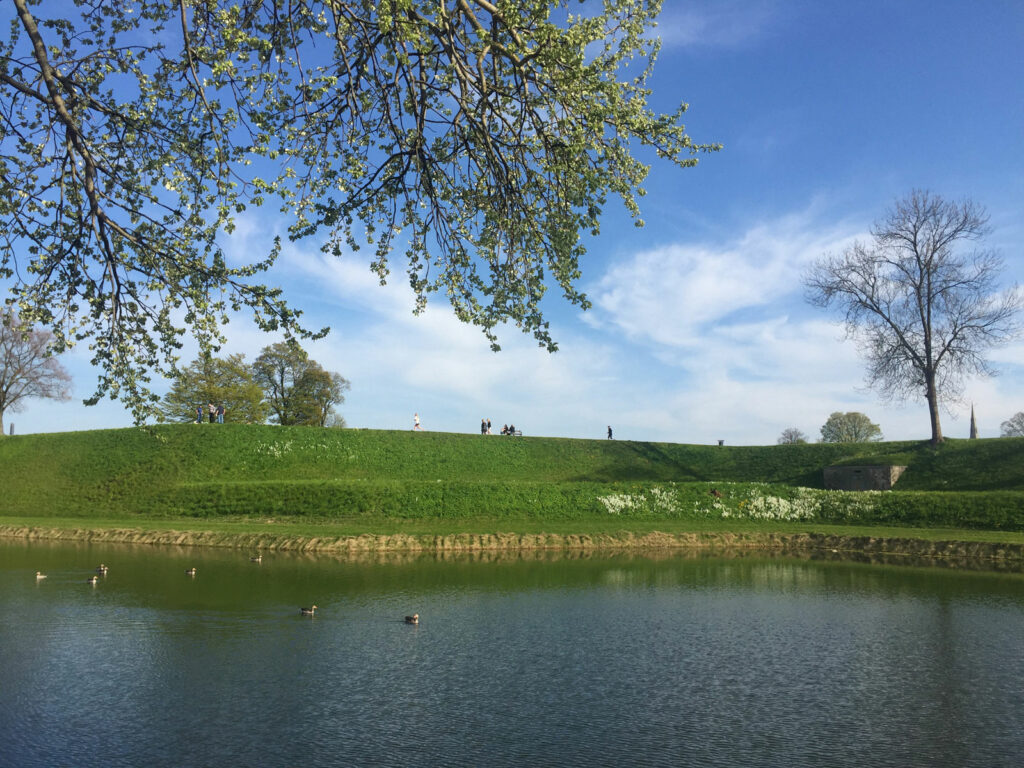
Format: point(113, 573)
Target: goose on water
point(414, 619)
point(308, 611)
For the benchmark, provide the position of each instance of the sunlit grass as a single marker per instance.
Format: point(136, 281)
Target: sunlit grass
point(355, 482)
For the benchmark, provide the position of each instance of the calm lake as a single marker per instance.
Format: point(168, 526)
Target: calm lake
point(575, 661)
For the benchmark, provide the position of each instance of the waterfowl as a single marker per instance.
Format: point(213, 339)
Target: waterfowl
point(101, 568)
point(308, 611)
point(40, 575)
point(92, 580)
point(190, 571)
point(414, 619)
point(256, 559)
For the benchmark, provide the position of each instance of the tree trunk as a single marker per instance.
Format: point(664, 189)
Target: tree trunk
point(933, 408)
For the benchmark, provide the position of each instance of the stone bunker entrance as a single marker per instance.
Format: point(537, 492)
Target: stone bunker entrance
point(869, 477)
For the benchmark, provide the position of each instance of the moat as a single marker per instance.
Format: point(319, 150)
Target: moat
point(593, 659)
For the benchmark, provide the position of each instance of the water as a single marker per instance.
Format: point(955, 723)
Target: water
point(594, 661)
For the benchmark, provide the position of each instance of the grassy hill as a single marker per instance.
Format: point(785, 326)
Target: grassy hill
point(203, 469)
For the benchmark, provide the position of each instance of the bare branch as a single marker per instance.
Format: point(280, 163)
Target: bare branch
point(923, 314)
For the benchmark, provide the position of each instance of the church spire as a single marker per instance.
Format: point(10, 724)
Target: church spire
point(974, 425)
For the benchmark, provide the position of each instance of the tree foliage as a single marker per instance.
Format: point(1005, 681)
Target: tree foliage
point(325, 389)
point(27, 369)
point(297, 390)
point(924, 312)
point(851, 427)
point(792, 436)
point(1013, 426)
point(222, 381)
point(480, 138)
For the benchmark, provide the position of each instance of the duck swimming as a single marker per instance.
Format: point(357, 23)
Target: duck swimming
point(40, 575)
point(414, 619)
point(92, 580)
point(190, 571)
point(308, 611)
point(101, 568)
point(256, 559)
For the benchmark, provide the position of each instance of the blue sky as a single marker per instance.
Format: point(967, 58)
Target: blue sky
point(699, 332)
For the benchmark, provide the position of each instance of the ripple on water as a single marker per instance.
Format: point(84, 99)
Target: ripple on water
point(618, 662)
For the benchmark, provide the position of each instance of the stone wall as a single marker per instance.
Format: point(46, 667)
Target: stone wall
point(862, 478)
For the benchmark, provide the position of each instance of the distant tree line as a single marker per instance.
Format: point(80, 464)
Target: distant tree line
point(282, 385)
point(852, 427)
point(855, 427)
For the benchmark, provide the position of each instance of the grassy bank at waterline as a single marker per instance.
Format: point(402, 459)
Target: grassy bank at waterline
point(986, 550)
point(368, 482)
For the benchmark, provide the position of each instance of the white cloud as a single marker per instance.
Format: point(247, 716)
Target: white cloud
point(673, 294)
point(689, 342)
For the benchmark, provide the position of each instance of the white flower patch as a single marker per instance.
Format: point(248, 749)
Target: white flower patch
point(277, 450)
point(618, 503)
point(776, 508)
point(657, 501)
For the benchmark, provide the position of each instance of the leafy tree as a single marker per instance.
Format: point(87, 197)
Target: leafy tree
point(229, 381)
point(1013, 426)
point(480, 137)
point(852, 427)
point(27, 368)
point(297, 390)
point(923, 312)
point(325, 390)
point(792, 436)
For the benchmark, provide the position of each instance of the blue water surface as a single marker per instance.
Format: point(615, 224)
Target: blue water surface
point(586, 661)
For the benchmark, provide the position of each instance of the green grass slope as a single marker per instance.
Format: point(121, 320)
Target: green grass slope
point(204, 469)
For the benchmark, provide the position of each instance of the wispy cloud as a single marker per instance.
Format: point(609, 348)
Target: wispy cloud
point(728, 24)
point(672, 295)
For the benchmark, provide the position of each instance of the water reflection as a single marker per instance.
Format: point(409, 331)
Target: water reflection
point(681, 658)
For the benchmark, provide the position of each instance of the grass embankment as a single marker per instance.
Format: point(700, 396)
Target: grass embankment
point(368, 482)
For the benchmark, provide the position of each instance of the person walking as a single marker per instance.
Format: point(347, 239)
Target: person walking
point(220, 413)
point(609, 432)
point(416, 422)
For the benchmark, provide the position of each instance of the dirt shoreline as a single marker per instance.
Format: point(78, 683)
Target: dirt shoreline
point(970, 554)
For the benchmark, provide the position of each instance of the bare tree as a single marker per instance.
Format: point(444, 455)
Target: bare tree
point(26, 367)
point(1013, 426)
point(923, 311)
point(792, 436)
